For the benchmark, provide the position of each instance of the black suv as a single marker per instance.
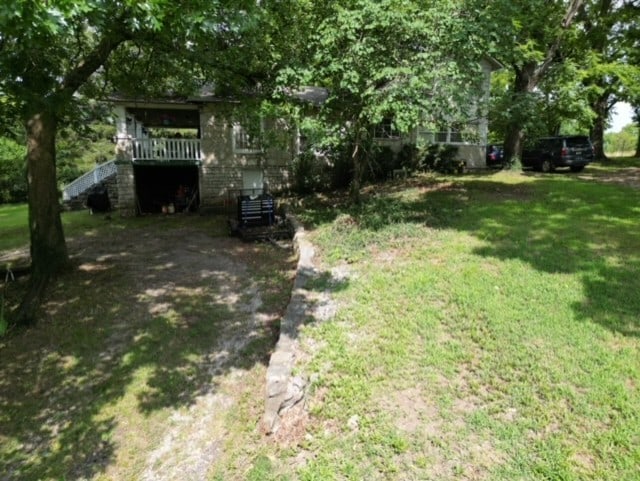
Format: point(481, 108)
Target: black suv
point(547, 153)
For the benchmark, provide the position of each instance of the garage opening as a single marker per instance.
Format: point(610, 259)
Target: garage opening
point(166, 189)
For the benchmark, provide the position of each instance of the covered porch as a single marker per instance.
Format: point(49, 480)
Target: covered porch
point(159, 156)
point(160, 133)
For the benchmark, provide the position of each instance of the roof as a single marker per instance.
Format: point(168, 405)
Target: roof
point(206, 94)
point(493, 63)
point(313, 95)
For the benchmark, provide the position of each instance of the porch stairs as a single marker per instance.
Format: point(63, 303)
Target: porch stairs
point(74, 194)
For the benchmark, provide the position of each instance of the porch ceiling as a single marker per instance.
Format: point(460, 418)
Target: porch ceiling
point(181, 119)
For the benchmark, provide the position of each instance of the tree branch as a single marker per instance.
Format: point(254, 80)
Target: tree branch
point(570, 14)
point(78, 76)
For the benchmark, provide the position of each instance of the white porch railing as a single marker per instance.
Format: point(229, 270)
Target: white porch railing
point(88, 180)
point(166, 150)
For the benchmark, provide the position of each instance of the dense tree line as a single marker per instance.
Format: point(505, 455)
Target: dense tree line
point(408, 61)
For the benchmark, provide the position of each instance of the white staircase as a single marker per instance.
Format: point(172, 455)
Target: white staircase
point(88, 180)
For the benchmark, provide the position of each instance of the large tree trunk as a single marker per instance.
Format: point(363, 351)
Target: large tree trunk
point(525, 81)
point(601, 108)
point(513, 143)
point(49, 253)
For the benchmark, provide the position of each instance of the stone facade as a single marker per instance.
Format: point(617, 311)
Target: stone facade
point(223, 169)
point(126, 203)
point(223, 166)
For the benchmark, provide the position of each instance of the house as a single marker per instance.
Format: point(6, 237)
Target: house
point(196, 153)
point(200, 152)
point(469, 139)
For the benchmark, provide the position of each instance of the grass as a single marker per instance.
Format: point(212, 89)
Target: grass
point(488, 330)
point(15, 225)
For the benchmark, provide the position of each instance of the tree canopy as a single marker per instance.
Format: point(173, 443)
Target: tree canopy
point(569, 63)
point(53, 52)
point(409, 62)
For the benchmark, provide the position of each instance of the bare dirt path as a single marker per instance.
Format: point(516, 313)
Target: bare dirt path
point(144, 352)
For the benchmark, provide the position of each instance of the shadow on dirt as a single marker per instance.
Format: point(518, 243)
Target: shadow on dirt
point(154, 317)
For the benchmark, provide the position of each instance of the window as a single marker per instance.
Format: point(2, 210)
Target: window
point(451, 135)
point(252, 181)
point(386, 130)
point(246, 137)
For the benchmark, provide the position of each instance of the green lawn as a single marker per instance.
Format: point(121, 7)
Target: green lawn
point(489, 330)
point(14, 224)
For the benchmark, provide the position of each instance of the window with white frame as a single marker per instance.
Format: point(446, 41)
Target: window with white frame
point(451, 134)
point(386, 130)
point(246, 136)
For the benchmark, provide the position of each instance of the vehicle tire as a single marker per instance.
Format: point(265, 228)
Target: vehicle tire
point(547, 166)
point(577, 168)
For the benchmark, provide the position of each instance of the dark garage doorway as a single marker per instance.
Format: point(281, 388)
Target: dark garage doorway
point(162, 188)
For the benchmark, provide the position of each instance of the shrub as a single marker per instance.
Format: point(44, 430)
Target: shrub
point(384, 161)
point(307, 173)
point(442, 158)
point(408, 158)
point(339, 167)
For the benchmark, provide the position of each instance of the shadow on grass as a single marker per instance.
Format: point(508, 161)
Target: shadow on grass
point(153, 318)
point(557, 224)
point(581, 228)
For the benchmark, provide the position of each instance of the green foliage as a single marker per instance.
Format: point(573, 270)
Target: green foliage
point(80, 151)
point(384, 161)
point(77, 153)
point(408, 61)
point(4, 322)
point(442, 158)
point(13, 176)
point(408, 157)
point(559, 72)
point(308, 173)
point(623, 142)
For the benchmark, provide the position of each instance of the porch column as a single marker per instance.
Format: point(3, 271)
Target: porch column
point(126, 189)
point(123, 144)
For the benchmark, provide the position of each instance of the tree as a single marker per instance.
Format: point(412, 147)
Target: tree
point(636, 118)
point(607, 46)
point(53, 52)
point(529, 37)
point(412, 62)
point(623, 141)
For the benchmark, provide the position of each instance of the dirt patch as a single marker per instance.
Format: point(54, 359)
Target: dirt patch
point(143, 354)
point(627, 176)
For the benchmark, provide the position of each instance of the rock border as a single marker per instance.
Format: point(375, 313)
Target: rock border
point(282, 390)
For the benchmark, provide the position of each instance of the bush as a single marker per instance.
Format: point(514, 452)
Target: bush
point(13, 177)
point(408, 158)
point(442, 158)
point(307, 173)
point(383, 163)
point(339, 168)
